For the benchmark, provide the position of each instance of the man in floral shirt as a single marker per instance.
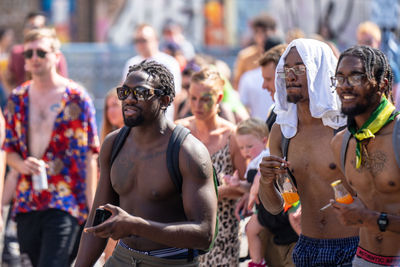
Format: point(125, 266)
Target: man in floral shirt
point(50, 119)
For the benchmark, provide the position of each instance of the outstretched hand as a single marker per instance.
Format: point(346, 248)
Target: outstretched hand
point(118, 226)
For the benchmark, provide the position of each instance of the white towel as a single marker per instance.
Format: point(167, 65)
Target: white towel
point(320, 65)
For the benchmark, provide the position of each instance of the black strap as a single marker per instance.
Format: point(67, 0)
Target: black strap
point(119, 142)
point(178, 136)
point(343, 151)
point(285, 148)
point(396, 139)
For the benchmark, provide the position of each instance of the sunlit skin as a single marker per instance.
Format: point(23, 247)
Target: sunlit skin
point(268, 74)
point(37, 65)
point(368, 40)
point(250, 145)
point(296, 85)
point(147, 43)
point(114, 114)
point(313, 167)
point(203, 101)
point(355, 99)
point(377, 180)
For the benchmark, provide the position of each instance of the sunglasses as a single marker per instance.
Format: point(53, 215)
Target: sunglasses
point(39, 52)
point(352, 80)
point(140, 93)
point(298, 70)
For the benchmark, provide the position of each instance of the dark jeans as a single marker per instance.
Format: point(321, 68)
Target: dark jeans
point(48, 237)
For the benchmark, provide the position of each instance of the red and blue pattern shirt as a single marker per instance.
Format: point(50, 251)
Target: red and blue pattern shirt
point(74, 135)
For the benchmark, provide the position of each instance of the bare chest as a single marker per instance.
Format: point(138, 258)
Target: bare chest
point(42, 115)
point(311, 157)
point(142, 175)
point(378, 174)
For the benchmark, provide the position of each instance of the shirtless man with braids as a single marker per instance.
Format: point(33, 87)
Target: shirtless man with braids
point(363, 81)
point(154, 223)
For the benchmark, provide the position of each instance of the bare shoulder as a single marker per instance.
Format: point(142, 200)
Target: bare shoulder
point(186, 122)
point(195, 158)
point(226, 127)
point(275, 139)
point(106, 147)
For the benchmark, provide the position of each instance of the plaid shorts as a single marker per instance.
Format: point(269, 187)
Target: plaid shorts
point(312, 252)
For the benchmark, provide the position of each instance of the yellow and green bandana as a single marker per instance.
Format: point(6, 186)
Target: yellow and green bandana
point(379, 118)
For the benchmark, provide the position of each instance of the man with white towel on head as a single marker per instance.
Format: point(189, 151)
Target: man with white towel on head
point(308, 116)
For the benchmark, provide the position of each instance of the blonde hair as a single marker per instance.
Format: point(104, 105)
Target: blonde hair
point(254, 127)
point(37, 34)
point(210, 78)
point(107, 127)
point(368, 27)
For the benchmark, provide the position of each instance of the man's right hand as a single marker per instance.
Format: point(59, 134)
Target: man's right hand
point(270, 167)
point(28, 166)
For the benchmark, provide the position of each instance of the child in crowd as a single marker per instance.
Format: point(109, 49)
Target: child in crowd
point(252, 137)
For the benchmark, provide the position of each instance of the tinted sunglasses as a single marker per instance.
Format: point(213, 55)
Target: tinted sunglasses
point(140, 93)
point(39, 52)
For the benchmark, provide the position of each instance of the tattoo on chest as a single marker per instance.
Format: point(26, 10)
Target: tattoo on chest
point(55, 107)
point(373, 162)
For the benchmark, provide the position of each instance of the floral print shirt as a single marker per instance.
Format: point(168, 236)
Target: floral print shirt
point(74, 135)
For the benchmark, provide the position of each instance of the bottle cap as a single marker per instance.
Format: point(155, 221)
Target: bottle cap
point(335, 183)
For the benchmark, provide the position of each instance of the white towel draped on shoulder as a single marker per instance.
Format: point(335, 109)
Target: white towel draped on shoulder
point(320, 63)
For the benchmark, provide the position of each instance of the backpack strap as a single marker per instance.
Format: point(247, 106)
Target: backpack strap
point(119, 142)
point(396, 139)
point(343, 151)
point(178, 136)
point(285, 148)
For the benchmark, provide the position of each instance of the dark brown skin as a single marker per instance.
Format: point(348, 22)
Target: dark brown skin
point(377, 181)
point(151, 213)
point(311, 162)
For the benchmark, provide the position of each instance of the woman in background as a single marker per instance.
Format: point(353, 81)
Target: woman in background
point(217, 134)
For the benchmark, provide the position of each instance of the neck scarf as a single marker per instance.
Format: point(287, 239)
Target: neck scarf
point(382, 115)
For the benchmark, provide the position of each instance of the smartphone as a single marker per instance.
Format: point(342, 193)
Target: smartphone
point(100, 216)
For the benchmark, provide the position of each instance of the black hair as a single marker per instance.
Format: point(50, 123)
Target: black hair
point(264, 21)
point(162, 77)
point(33, 14)
point(375, 63)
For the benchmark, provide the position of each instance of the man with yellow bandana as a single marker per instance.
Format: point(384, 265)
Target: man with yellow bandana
point(363, 82)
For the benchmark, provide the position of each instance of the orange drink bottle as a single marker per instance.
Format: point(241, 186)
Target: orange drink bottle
point(341, 194)
point(287, 189)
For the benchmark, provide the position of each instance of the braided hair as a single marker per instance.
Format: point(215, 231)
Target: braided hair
point(375, 63)
point(162, 77)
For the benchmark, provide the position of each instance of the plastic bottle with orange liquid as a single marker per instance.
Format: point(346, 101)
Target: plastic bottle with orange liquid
point(287, 189)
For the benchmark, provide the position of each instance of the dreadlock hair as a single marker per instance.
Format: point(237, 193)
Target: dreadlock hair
point(162, 77)
point(375, 63)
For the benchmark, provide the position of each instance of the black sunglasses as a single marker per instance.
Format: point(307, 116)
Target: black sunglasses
point(39, 52)
point(140, 93)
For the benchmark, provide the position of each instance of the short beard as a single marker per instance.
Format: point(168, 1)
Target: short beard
point(133, 122)
point(356, 110)
point(360, 108)
point(294, 98)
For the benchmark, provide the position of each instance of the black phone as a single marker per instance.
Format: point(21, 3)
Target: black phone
point(100, 216)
